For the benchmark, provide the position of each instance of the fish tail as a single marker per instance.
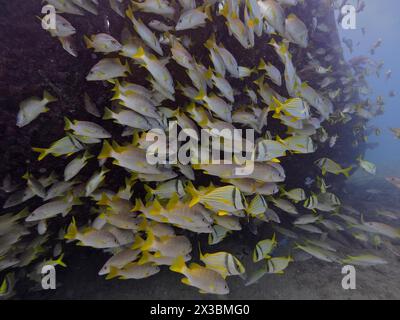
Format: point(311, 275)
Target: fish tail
point(129, 13)
point(148, 189)
point(210, 43)
point(138, 243)
point(60, 262)
point(43, 152)
point(200, 95)
point(145, 258)
point(128, 67)
point(194, 193)
point(104, 201)
point(260, 81)
point(22, 214)
point(68, 124)
point(262, 64)
point(113, 273)
point(72, 231)
point(108, 114)
point(88, 42)
point(48, 97)
point(277, 106)
point(209, 73)
point(178, 265)
point(143, 225)
point(139, 53)
point(138, 205)
point(225, 10)
point(148, 242)
point(346, 171)
point(207, 11)
point(106, 152)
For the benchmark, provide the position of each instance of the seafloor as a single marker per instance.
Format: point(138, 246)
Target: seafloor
point(311, 279)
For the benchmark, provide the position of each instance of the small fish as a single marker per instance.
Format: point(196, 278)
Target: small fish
point(273, 13)
point(90, 106)
point(272, 72)
point(53, 208)
point(217, 235)
point(88, 5)
point(167, 189)
point(119, 260)
point(90, 237)
point(367, 166)
point(328, 165)
point(264, 248)
point(63, 28)
point(157, 69)
point(284, 205)
point(144, 32)
point(194, 18)
point(222, 262)
point(170, 246)
point(133, 271)
point(208, 281)
point(35, 185)
point(297, 194)
point(107, 69)
point(396, 132)
point(394, 181)
point(278, 264)
point(31, 108)
point(296, 30)
point(160, 26)
point(364, 260)
point(224, 199)
point(316, 252)
point(65, 6)
point(129, 157)
point(87, 129)
point(95, 180)
point(219, 106)
point(257, 275)
point(65, 146)
point(306, 219)
point(160, 7)
point(103, 42)
point(76, 165)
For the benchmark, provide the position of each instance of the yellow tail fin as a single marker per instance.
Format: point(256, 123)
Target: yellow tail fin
point(88, 42)
point(149, 241)
point(68, 124)
point(346, 171)
point(72, 231)
point(113, 273)
point(47, 96)
point(178, 265)
point(200, 95)
point(43, 152)
point(194, 193)
point(60, 262)
point(108, 114)
point(139, 53)
point(138, 243)
point(106, 152)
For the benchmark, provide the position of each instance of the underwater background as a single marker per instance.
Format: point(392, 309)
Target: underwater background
point(32, 61)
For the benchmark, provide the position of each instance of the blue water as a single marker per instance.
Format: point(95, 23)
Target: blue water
point(381, 19)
